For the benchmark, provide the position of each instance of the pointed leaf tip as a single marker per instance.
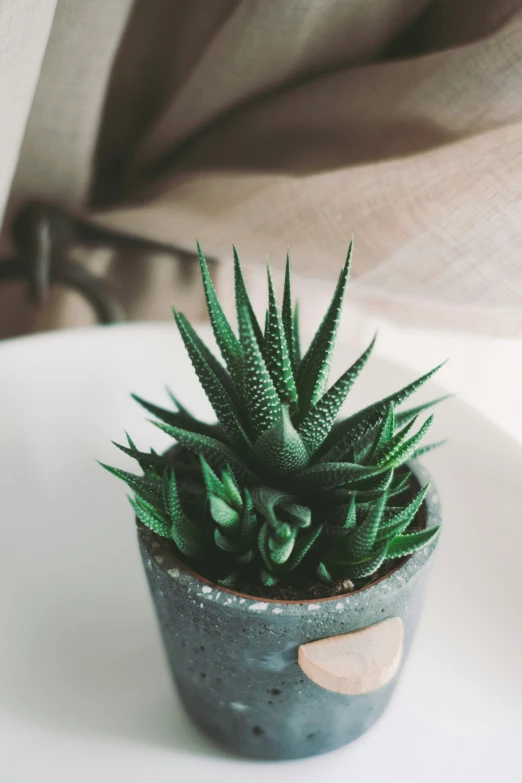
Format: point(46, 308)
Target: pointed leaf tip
point(224, 335)
point(315, 367)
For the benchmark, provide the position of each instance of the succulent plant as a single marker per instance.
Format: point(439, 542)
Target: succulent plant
point(280, 490)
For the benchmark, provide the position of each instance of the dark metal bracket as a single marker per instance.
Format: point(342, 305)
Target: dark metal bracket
point(44, 235)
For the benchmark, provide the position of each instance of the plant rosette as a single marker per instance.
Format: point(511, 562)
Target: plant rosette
point(286, 550)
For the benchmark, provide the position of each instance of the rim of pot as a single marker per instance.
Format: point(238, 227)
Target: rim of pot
point(402, 572)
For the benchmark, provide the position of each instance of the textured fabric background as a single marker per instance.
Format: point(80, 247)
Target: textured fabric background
point(24, 30)
point(276, 122)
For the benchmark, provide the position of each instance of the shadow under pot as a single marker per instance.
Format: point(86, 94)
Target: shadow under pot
point(286, 679)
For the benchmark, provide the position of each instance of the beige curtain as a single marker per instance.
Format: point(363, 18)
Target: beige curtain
point(276, 122)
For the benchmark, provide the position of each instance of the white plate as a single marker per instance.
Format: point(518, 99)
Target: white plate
point(85, 693)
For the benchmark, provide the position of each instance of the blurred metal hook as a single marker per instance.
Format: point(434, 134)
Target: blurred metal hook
point(43, 235)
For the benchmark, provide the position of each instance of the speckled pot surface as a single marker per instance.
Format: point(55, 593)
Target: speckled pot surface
point(234, 658)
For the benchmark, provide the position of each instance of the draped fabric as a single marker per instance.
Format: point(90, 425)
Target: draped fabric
point(282, 122)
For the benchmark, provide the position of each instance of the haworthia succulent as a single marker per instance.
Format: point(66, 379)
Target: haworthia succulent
point(282, 492)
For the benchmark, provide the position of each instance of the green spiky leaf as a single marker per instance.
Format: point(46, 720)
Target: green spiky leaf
point(387, 448)
point(318, 422)
point(215, 452)
point(350, 518)
point(259, 393)
point(375, 483)
point(176, 418)
point(143, 458)
point(427, 448)
point(315, 367)
point(249, 523)
point(225, 338)
point(290, 328)
point(281, 544)
point(329, 475)
point(150, 517)
point(403, 417)
point(184, 532)
point(384, 435)
point(302, 546)
point(276, 351)
point(147, 486)
point(353, 427)
point(300, 516)
point(243, 300)
point(400, 454)
point(227, 544)
point(229, 581)
point(266, 500)
point(231, 488)
point(222, 513)
point(212, 482)
point(267, 579)
point(368, 566)
point(297, 338)
point(219, 398)
point(400, 546)
point(401, 518)
point(361, 542)
point(323, 574)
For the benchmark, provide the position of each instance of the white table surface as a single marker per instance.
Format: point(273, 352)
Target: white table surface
point(84, 690)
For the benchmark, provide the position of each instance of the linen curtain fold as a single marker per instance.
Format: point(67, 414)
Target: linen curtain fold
point(276, 122)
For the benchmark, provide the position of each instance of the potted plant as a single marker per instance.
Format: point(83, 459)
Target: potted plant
point(286, 550)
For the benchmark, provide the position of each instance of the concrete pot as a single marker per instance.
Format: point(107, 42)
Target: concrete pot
point(239, 662)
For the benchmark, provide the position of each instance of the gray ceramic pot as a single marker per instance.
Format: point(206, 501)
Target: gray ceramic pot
point(235, 658)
